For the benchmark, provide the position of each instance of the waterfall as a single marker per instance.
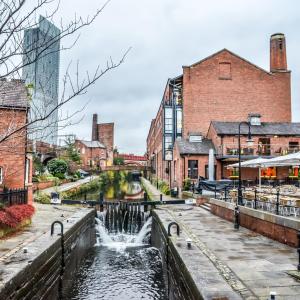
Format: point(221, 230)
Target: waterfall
point(123, 225)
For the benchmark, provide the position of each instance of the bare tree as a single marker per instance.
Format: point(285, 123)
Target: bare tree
point(16, 18)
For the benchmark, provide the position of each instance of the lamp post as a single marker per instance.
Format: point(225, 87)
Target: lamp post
point(249, 143)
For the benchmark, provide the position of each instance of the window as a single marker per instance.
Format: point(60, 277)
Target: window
point(179, 121)
point(225, 70)
point(168, 120)
point(195, 138)
point(83, 150)
point(168, 143)
point(1, 175)
point(193, 169)
point(264, 146)
point(293, 147)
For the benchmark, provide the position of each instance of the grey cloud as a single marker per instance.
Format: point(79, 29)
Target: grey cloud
point(165, 35)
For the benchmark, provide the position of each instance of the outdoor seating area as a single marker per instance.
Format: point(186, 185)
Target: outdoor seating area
point(283, 201)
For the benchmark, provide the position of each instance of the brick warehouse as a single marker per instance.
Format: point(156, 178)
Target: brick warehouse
point(223, 87)
point(15, 162)
point(97, 153)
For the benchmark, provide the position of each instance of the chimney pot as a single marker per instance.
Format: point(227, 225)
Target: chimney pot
point(278, 62)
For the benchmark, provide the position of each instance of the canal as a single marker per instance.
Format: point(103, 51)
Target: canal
point(122, 264)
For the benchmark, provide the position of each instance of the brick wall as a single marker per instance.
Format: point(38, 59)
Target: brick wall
point(12, 151)
point(106, 135)
point(97, 155)
point(249, 89)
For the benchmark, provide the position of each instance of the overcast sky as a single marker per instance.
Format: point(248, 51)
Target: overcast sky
point(164, 35)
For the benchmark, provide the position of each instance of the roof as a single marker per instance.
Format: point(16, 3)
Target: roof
point(186, 147)
point(13, 94)
point(266, 128)
point(230, 52)
point(92, 144)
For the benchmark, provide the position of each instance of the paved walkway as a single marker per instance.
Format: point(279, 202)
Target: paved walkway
point(67, 186)
point(246, 265)
point(153, 192)
point(41, 223)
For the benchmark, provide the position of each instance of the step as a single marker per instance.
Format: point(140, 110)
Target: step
point(206, 206)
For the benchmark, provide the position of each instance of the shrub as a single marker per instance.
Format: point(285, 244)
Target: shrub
point(187, 183)
point(42, 198)
point(60, 176)
point(12, 216)
point(57, 167)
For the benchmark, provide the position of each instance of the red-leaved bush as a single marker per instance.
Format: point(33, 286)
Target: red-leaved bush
point(12, 216)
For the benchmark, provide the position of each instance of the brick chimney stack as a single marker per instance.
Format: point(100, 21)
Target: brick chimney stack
point(278, 53)
point(95, 128)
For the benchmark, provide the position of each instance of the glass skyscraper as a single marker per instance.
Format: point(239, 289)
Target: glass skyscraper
point(41, 71)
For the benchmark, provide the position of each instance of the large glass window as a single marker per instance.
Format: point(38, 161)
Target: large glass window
point(179, 121)
point(168, 120)
point(193, 169)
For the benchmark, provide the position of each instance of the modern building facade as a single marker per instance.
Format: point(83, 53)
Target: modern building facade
point(41, 72)
point(223, 87)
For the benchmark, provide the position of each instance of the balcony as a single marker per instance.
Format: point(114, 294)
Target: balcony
point(231, 150)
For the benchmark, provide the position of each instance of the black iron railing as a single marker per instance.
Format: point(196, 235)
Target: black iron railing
point(274, 201)
point(13, 197)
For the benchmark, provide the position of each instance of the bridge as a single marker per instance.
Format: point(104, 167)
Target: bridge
point(126, 168)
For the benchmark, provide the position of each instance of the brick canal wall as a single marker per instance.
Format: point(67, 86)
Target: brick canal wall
point(279, 228)
point(178, 279)
point(35, 275)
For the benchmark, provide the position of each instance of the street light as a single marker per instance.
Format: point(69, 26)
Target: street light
point(249, 143)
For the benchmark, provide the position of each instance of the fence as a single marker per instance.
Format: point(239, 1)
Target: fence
point(274, 202)
point(13, 197)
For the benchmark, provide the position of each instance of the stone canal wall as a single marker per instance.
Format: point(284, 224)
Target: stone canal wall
point(191, 273)
point(279, 228)
point(178, 279)
point(35, 275)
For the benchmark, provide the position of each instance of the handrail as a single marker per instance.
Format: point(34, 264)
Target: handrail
point(169, 228)
point(62, 264)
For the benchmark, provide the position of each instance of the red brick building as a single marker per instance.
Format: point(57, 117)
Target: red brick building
point(223, 87)
point(93, 154)
point(104, 133)
point(15, 162)
point(97, 153)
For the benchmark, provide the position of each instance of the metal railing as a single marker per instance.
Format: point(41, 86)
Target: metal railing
point(231, 149)
point(13, 197)
point(273, 202)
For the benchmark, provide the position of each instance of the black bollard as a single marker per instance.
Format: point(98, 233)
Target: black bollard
point(160, 198)
point(277, 202)
point(255, 199)
point(236, 218)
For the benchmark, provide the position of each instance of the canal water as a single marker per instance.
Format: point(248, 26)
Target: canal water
point(122, 265)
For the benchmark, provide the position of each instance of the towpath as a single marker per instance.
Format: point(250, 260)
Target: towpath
point(224, 262)
point(41, 222)
point(70, 185)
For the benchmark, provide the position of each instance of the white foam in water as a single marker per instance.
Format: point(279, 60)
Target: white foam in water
point(120, 241)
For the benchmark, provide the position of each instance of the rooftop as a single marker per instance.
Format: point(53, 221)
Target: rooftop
point(186, 147)
point(266, 128)
point(92, 144)
point(13, 94)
